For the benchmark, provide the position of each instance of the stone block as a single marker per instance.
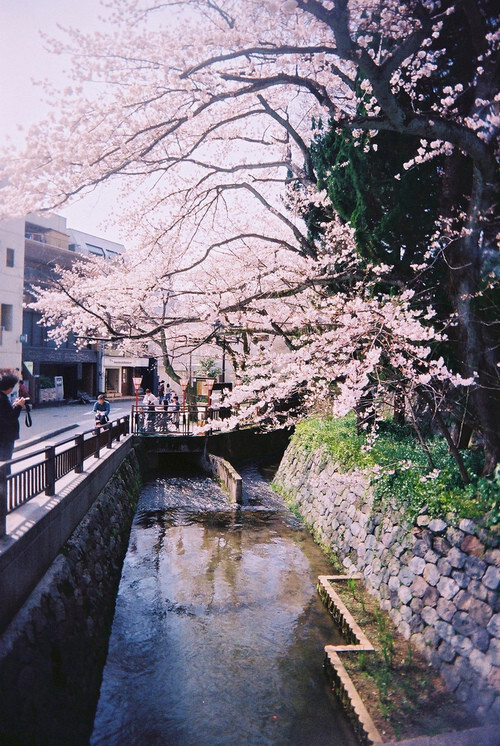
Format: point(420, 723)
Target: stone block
point(472, 546)
point(480, 638)
point(491, 577)
point(494, 678)
point(462, 623)
point(448, 588)
point(446, 609)
point(429, 615)
point(422, 520)
point(480, 612)
point(454, 536)
point(404, 594)
point(420, 547)
point(446, 652)
point(441, 545)
point(431, 596)
point(444, 566)
point(431, 574)
point(416, 605)
point(480, 663)
point(438, 526)
point(467, 526)
point(475, 568)
point(478, 590)
point(463, 600)
point(419, 586)
point(431, 556)
point(492, 557)
point(494, 626)
point(462, 645)
point(406, 576)
point(431, 637)
point(494, 651)
point(416, 565)
point(393, 584)
point(460, 578)
point(456, 558)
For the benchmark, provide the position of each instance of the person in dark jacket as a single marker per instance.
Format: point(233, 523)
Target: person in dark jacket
point(101, 411)
point(9, 417)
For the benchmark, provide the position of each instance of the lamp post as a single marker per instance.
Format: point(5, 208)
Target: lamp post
point(222, 335)
point(184, 382)
point(220, 339)
point(136, 380)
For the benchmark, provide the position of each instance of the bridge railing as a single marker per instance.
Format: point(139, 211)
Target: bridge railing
point(29, 475)
point(159, 420)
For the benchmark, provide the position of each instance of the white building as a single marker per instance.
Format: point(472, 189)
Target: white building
point(11, 292)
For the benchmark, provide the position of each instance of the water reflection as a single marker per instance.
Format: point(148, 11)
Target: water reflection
point(218, 633)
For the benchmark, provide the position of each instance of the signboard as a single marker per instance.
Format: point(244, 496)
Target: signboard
point(59, 386)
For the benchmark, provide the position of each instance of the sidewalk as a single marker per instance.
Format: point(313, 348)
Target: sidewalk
point(49, 422)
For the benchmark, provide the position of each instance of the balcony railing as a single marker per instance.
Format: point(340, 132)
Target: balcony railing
point(27, 476)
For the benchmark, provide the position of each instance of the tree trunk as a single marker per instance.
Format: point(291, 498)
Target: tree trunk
point(470, 259)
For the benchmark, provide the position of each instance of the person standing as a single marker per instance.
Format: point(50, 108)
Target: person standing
point(167, 394)
point(175, 408)
point(150, 402)
point(161, 391)
point(9, 417)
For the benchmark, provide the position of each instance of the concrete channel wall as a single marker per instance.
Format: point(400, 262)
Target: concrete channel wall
point(438, 582)
point(53, 651)
point(222, 470)
point(46, 523)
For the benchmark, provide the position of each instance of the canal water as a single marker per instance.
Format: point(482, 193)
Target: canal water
point(218, 632)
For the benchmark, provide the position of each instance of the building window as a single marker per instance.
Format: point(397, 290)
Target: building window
point(6, 317)
point(10, 258)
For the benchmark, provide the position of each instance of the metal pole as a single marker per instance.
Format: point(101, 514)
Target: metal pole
point(4, 470)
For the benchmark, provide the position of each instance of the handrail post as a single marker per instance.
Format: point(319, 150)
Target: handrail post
point(109, 444)
point(4, 470)
point(79, 454)
point(97, 448)
point(50, 470)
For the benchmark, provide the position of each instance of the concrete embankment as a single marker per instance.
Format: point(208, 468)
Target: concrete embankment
point(53, 651)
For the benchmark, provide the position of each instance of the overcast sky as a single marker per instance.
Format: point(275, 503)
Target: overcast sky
point(22, 59)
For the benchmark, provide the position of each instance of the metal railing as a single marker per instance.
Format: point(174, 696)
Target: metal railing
point(46, 466)
point(166, 421)
point(159, 420)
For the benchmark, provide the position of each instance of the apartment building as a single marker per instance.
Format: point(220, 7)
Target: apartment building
point(11, 292)
point(30, 249)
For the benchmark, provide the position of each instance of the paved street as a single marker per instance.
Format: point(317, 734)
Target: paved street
point(52, 424)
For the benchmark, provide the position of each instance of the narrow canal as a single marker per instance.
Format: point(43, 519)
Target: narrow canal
point(218, 632)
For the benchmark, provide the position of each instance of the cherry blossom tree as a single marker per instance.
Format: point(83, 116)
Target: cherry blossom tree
point(202, 109)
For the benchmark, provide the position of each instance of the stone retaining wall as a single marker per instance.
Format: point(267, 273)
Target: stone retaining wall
point(438, 582)
point(53, 652)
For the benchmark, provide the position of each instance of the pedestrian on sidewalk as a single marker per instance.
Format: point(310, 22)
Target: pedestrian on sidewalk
point(9, 416)
point(101, 411)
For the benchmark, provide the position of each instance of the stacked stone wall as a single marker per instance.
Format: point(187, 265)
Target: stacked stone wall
point(438, 582)
point(53, 652)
